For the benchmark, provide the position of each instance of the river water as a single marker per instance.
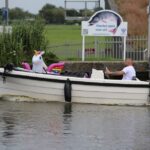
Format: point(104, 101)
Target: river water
point(60, 126)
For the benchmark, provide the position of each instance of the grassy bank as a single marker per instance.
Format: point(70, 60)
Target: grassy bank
point(66, 42)
point(59, 34)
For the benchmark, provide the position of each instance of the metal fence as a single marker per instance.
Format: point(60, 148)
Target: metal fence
point(106, 48)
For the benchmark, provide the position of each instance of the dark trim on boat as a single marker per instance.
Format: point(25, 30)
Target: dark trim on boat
point(76, 82)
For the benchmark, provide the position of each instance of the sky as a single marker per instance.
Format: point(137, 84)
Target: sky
point(34, 6)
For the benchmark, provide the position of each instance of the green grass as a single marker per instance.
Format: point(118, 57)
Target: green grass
point(60, 34)
point(66, 40)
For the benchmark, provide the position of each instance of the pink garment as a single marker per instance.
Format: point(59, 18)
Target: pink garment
point(26, 66)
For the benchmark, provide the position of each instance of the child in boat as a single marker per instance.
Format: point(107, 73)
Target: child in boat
point(37, 61)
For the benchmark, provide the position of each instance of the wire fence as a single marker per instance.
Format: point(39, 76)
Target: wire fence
point(108, 48)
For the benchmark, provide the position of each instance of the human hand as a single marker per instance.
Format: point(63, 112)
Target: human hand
point(107, 71)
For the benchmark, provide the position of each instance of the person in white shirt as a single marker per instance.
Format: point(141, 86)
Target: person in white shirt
point(37, 61)
point(128, 72)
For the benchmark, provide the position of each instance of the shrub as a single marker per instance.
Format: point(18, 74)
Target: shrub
point(50, 58)
point(18, 45)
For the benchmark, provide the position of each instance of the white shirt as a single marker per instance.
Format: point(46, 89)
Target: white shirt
point(129, 73)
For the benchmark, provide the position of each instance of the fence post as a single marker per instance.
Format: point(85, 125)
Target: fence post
point(83, 48)
point(124, 47)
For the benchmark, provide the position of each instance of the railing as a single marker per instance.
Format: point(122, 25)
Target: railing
point(105, 48)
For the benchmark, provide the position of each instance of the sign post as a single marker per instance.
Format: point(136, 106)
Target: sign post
point(5, 13)
point(105, 23)
point(83, 48)
point(124, 47)
point(148, 12)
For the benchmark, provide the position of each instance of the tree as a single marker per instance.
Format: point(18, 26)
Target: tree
point(86, 13)
point(0, 15)
point(18, 13)
point(72, 13)
point(58, 16)
point(98, 9)
point(46, 13)
point(52, 14)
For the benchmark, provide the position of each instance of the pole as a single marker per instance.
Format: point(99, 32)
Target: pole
point(7, 17)
point(85, 10)
point(83, 48)
point(95, 46)
point(148, 11)
point(99, 3)
point(124, 47)
point(65, 13)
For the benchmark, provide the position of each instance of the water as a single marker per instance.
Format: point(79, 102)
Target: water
point(59, 126)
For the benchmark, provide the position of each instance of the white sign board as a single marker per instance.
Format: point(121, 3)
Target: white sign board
point(103, 29)
point(104, 23)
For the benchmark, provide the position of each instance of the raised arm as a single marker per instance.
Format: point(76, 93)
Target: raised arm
point(116, 73)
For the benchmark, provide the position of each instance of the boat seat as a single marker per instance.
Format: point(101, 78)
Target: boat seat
point(97, 74)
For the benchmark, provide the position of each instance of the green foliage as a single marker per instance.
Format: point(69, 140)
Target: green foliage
point(72, 12)
point(31, 35)
point(0, 15)
point(49, 58)
point(20, 43)
point(16, 13)
point(19, 14)
point(98, 9)
point(10, 49)
point(85, 13)
point(52, 14)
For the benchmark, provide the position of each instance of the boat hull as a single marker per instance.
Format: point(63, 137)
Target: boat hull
point(24, 86)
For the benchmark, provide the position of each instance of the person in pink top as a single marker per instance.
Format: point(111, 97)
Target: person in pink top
point(128, 72)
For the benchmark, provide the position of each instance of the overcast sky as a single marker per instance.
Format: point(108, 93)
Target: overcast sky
point(31, 5)
point(34, 6)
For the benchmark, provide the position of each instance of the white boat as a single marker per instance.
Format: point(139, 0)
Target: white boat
point(29, 86)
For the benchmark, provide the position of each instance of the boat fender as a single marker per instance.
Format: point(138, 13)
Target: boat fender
point(7, 68)
point(68, 91)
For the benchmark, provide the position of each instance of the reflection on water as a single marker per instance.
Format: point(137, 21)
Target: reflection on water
point(65, 126)
point(9, 125)
point(67, 116)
